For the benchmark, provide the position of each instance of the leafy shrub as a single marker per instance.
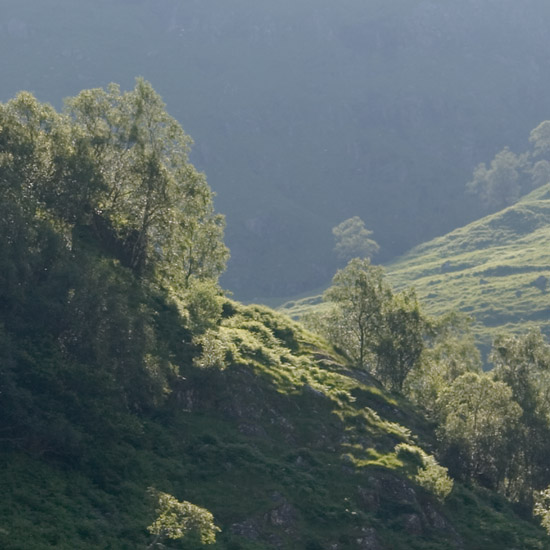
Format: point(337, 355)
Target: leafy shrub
point(430, 475)
point(177, 520)
point(542, 508)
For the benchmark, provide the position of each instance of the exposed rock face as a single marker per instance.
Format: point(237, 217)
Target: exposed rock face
point(413, 524)
point(368, 499)
point(435, 520)
point(283, 515)
point(390, 488)
point(414, 511)
point(368, 540)
point(247, 528)
point(255, 430)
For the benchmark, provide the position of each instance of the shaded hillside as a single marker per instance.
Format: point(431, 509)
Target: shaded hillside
point(306, 112)
point(285, 446)
point(125, 372)
point(497, 269)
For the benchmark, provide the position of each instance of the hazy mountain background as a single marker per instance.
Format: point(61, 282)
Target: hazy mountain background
point(308, 112)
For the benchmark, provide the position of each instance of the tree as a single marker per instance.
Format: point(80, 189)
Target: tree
point(358, 293)
point(501, 184)
point(542, 508)
point(523, 363)
point(105, 228)
point(449, 352)
point(116, 163)
point(353, 240)
point(400, 339)
point(540, 173)
point(26, 153)
point(477, 422)
point(379, 331)
point(540, 138)
point(179, 520)
point(150, 197)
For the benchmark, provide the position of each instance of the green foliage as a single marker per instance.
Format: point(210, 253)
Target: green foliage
point(203, 303)
point(353, 240)
point(500, 185)
point(540, 138)
point(116, 163)
point(540, 173)
point(379, 331)
point(96, 206)
point(435, 479)
point(523, 363)
point(429, 474)
point(178, 520)
point(450, 352)
point(401, 339)
point(286, 442)
point(511, 176)
point(478, 422)
point(358, 292)
point(542, 508)
point(214, 350)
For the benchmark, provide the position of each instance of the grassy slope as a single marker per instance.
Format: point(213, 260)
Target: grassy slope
point(487, 268)
point(286, 447)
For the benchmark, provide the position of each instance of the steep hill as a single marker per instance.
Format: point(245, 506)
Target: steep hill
point(286, 446)
point(308, 112)
point(126, 373)
point(497, 269)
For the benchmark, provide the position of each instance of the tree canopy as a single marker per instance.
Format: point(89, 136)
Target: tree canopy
point(353, 240)
point(510, 175)
point(103, 224)
point(380, 331)
point(116, 163)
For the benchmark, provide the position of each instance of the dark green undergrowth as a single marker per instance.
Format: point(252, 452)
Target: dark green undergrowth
point(285, 451)
point(286, 444)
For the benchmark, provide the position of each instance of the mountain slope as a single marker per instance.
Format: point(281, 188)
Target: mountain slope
point(308, 112)
point(286, 447)
point(496, 269)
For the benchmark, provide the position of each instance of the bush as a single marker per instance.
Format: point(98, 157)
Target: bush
point(430, 475)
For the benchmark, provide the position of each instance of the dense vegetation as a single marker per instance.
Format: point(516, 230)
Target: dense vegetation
point(492, 428)
point(138, 405)
point(308, 112)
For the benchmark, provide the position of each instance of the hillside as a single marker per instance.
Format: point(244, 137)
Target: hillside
point(286, 446)
point(308, 112)
point(496, 269)
point(125, 372)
